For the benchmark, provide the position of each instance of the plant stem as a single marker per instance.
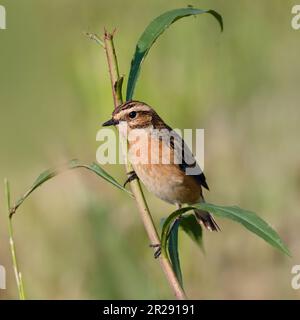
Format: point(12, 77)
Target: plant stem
point(113, 68)
point(18, 274)
point(116, 82)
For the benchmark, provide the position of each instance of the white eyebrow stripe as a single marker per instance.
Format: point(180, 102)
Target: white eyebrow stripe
point(140, 108)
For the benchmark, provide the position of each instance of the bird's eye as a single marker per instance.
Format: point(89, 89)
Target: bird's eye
point(132, 114)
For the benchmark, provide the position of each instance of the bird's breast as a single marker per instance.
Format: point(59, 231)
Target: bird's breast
point(153, 162)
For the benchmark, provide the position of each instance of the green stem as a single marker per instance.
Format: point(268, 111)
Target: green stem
point(18, 274)
point(116, 82)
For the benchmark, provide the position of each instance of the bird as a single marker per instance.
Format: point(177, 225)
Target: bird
point(160, 158)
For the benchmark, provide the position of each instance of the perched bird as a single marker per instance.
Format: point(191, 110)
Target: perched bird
point(163, 158)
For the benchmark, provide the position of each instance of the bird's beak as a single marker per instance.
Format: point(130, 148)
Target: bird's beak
point(110, 122)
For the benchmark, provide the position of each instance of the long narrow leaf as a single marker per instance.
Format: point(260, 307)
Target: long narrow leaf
point(73, 164)
point(150, 35)
point(42, 178)
point(173, 251)
point(248, 219)
point(193, 229)
point(167, 225)
point(94, 167)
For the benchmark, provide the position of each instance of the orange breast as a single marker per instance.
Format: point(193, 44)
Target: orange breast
point(161, 176)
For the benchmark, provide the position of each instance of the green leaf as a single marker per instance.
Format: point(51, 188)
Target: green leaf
point(118, 88)
point(192, 228)
point(103, 174)
point(249, 220)
point(150, 35)
point(43, 177)
point(166, 227)
point(173, 250)
point(51, 173)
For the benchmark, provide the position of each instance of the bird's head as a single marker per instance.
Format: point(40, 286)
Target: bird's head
point(134, 115)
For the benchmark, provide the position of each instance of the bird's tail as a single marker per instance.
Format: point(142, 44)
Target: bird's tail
point(207, 220)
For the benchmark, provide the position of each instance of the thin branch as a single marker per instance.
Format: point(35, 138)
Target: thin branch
point(94, 37)
point(135, 185)
point(18, 274)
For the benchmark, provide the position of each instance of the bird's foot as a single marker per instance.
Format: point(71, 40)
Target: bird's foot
point(131, 176)
point(157, 252)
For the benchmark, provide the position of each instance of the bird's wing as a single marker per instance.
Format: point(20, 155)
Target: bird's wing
point(184, 157)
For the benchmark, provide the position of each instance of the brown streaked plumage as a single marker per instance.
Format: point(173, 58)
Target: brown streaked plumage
point(164, 177)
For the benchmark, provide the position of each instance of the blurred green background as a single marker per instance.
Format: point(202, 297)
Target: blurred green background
point(79, 237)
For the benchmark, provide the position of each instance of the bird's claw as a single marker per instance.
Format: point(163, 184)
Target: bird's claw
point(157, 252)
point(131, 176)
